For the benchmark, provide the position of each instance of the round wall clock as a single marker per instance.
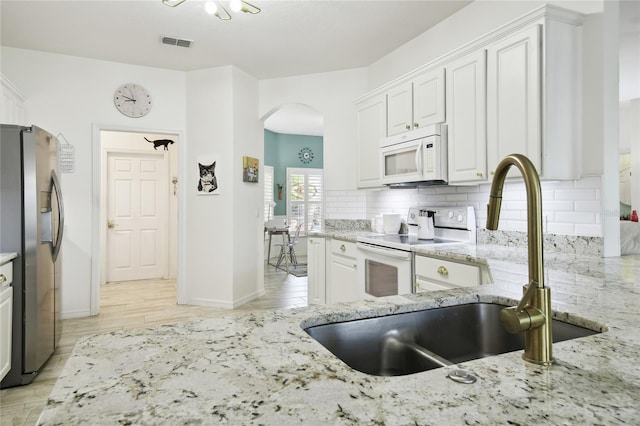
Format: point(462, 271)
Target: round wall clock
point(305, 155)
point(132, 100)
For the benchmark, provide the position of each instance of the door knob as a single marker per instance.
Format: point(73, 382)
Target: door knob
point(111, 224)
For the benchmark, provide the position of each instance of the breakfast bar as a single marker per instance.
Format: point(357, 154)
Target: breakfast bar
point(263, 368)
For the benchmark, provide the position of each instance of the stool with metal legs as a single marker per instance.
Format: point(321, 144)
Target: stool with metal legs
point(287, 252)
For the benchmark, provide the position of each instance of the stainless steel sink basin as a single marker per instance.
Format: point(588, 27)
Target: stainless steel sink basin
point(395, 345)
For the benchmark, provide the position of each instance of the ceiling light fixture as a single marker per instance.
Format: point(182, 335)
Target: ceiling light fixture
point(216, 7)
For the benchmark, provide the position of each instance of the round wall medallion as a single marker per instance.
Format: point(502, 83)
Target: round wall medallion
point(305, 155)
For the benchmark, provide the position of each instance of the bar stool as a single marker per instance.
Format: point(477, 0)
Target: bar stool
point(287, 252)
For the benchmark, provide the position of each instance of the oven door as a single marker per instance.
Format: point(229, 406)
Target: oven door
point(383, 271)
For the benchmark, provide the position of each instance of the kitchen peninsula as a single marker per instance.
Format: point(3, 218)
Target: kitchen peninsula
point(262, 368)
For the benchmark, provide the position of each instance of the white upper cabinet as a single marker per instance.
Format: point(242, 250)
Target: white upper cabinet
point(12, 105)
point(513, 98)
point(428, 98)
point(466, 118)
point(417, 103)
point(372, 126)
point(517, 89)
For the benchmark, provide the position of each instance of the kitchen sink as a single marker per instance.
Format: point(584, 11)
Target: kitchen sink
point(408, 343)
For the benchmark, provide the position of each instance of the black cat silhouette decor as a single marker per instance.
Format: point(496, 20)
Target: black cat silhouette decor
point(161, 142)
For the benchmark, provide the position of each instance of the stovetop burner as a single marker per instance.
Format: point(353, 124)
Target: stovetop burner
point(452, 225)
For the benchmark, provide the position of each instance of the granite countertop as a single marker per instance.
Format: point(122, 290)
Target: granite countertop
point(7, 257)
point(262, 368)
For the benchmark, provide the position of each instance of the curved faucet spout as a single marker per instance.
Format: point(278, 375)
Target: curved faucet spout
point(534, 209)
point(533, 313)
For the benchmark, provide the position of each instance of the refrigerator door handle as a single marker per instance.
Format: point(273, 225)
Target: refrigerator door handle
point(60, 204)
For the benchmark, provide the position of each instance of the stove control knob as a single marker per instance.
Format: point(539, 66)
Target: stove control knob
point(450, 214)
point(460, 217)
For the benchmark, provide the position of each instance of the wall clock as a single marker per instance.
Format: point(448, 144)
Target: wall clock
point(132, 100)
point(305, 155)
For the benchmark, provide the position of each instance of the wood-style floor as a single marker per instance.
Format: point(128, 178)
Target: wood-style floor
point(131, 305)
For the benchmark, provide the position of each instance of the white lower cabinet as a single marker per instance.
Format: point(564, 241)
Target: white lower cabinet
point(6, 313)
point(316, 285)
point(438, 274)
point(342, 279)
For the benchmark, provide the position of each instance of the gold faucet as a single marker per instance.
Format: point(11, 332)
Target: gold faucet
point(533, 313)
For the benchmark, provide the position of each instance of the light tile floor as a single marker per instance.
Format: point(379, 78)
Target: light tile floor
point(129, 305)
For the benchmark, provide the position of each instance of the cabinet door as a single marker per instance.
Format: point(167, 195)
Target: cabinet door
point(344, 279)
point(399, 110)
point(6, 312)
point(316, 271)
point(466, 118)
point(428, 98)
point(11, 103)
point(513, 98)
point(372, 126)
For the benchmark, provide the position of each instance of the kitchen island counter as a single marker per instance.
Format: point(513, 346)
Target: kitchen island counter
point(262, 368)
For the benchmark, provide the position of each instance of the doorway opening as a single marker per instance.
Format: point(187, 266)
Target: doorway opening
point(293, 148)
point(135, 219)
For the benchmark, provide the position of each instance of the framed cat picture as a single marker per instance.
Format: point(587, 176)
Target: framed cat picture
point(250, 170)
point(206, 174)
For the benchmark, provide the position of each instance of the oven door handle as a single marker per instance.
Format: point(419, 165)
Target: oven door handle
point(398, 254)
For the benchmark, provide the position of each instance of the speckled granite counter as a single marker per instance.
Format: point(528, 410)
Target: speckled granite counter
point(7, 257)
point(262, 368)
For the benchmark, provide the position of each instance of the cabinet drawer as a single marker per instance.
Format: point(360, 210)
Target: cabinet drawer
point(452, 273)
point(343, 248)
point(6, 270)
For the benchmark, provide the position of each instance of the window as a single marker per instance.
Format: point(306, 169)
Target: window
point(304, 198)
point(268, 193)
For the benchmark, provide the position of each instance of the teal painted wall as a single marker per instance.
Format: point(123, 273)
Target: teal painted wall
point(281, 151)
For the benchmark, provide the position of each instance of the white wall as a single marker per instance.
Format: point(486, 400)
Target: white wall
point(68, 94)
point(248, 203)
point(208, 231)
point(223, 257)
point(332, 94)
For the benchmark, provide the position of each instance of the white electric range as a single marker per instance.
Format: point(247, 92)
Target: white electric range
point(385, 261)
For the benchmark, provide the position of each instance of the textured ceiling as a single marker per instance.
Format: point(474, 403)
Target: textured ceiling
point(287, 38)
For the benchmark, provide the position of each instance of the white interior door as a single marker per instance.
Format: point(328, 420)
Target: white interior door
point(137, 214)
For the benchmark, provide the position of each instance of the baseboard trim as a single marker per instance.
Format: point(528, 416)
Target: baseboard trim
point(75, 314)
point(225, 304)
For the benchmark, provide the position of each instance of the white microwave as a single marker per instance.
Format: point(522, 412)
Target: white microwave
point(415, 158)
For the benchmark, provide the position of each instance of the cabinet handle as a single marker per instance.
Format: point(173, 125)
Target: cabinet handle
point(342, 247)
point(493, 172)
point(442, 270)
point(479, 174)
point(416, 124)
point(407, 126)
point(2, 278)
point(111, 224)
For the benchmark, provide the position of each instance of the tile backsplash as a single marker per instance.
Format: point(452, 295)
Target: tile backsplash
point(569, 207)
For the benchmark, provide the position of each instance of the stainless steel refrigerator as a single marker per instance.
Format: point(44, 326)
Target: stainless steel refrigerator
point(31, 224)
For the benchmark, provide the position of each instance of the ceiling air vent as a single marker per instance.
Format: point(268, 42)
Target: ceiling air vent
point(175, 41)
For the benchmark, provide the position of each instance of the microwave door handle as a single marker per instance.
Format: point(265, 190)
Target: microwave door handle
point(419, 162)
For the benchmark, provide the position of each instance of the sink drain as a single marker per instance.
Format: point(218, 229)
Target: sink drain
point(462, 376)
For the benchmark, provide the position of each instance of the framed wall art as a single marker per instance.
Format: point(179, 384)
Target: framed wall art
point(208, 183)
point(250, 169)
